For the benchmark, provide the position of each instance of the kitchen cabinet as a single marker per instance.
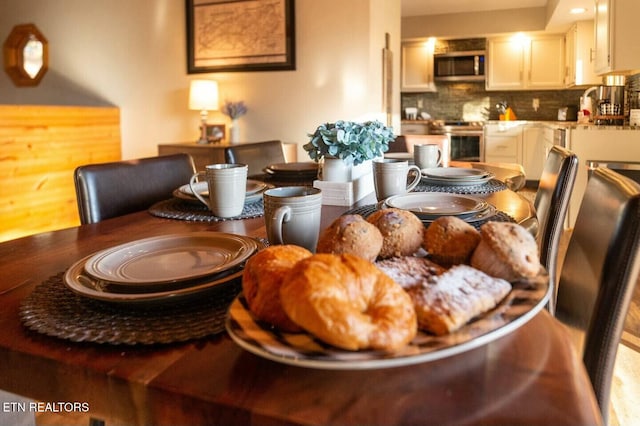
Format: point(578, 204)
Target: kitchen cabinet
point(616, 30)
point(526, 63)
point(414, 128)
point(417, 67)
point(599, 144)
point(580, 55)
point(533, 150)
point(503, 142)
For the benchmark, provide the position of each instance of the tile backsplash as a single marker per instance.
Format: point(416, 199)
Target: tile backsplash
point(471, 102)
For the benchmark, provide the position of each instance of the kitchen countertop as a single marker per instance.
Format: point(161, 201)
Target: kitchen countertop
point(557, 124)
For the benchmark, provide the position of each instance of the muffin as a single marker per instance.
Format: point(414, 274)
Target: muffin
point(506, 250)
point(402, 232)
point(450, 241)
point(353, 235)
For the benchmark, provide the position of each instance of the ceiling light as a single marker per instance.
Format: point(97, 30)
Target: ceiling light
point(577, 10)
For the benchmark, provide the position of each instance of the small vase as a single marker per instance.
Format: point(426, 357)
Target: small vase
point(336, 170)
point(234, 132)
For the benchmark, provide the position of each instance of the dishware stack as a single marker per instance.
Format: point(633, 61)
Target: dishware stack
point(161, 269)
point(254, 191)
point(429, 206)
point(293, 172)
point(455, 176)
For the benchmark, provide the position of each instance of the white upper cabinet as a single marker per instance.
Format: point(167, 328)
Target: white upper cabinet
point(417, 67)
point(580, 55)
point(526, 63)
point(617, 31)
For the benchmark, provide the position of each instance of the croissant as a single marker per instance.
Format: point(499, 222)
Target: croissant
point(347, 302)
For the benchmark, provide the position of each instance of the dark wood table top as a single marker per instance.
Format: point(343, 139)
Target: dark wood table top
point(530, 376)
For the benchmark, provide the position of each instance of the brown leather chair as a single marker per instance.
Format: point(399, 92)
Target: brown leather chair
point(551, 203)
point(113, 189)
point(257, 155)
point(599, 274)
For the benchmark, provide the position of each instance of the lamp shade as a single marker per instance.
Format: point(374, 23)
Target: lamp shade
point(203, 95)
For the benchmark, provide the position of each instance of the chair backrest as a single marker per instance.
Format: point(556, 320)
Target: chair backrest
point(599, 274)
point(256, 155)
point(551, 203)
point(113, 189)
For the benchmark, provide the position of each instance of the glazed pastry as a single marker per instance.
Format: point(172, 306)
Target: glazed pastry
point(351, 234)
point(409, 270)
point(506, 250)
point(450, 240)
point(446, 302)
point(347, 302)
point(402, 231)
point(261, 280)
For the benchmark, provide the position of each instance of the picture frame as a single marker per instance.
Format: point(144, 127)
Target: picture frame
point(242, 35)
point(216, 133)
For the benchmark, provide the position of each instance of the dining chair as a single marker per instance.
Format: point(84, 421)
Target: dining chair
point(551, 203)
point(599, 274)
point(113, 189)
point(257, 155)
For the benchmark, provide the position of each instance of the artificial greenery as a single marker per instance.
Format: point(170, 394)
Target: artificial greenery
point(352, 142)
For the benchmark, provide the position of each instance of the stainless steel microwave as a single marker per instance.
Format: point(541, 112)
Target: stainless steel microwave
point(459, 66)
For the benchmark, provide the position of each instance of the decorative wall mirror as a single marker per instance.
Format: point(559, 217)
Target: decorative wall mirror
point(26, 55)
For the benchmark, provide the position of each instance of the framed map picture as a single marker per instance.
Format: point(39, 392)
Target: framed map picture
point(241, 35)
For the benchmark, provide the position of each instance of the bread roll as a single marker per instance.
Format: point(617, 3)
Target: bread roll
point(261, 280)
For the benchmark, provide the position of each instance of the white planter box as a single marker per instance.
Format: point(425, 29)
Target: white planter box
point(346, 193)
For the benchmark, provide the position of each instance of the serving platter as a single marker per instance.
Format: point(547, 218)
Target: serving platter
point(170, 258)
point(431, 205)
point(524, 301)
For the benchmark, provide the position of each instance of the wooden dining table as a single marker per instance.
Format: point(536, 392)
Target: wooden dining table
point(530, 376)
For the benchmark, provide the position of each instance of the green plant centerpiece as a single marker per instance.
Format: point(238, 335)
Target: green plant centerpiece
point(352, 142)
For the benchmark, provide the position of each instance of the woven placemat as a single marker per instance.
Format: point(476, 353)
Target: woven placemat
point(54, 310)
point(369, 209)
point(174, 208)
point(491, 186)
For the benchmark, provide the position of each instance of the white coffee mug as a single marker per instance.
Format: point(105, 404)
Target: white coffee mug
point(227, 188)
point(390, 177)
point(292, 215)
point(427, 156)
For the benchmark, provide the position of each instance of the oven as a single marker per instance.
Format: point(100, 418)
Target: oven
point(466, 139)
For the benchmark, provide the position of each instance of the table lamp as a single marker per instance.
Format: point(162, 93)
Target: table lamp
point(203, 96)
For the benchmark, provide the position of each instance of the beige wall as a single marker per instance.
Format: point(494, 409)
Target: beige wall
point(132, 54)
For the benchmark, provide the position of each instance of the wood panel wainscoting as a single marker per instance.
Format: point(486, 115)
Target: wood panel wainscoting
point(41, 147)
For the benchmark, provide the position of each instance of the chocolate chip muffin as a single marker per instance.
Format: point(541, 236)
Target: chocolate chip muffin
point(353, 235)
point(402, 232)
point(450, 241)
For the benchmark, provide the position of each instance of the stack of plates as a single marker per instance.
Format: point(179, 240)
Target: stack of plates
point(456, 176)
point(161, 268)
point(255, 188)
point(305, 171)
point(429, 206)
